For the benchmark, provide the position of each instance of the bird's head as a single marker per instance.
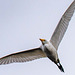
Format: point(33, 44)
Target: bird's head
point(43, 41)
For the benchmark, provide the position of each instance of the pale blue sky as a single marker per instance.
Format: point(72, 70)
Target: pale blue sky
point(22, 23)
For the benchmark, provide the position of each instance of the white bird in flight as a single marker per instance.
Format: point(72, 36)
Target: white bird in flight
point(48, 48)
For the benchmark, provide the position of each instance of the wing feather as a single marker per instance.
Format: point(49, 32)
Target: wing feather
point(23, 56)
point(62, 26)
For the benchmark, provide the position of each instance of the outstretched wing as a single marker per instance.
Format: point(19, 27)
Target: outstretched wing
point(62, 26)
point(23, 56)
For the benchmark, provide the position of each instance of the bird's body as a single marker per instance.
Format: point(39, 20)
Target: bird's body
point(50, 51)
point(48, 48)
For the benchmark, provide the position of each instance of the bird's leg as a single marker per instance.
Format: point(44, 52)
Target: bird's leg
point(59, 65)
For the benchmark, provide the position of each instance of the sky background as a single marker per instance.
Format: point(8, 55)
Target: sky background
point(22, 23)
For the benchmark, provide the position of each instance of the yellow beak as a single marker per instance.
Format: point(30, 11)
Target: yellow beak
point(42, 39)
